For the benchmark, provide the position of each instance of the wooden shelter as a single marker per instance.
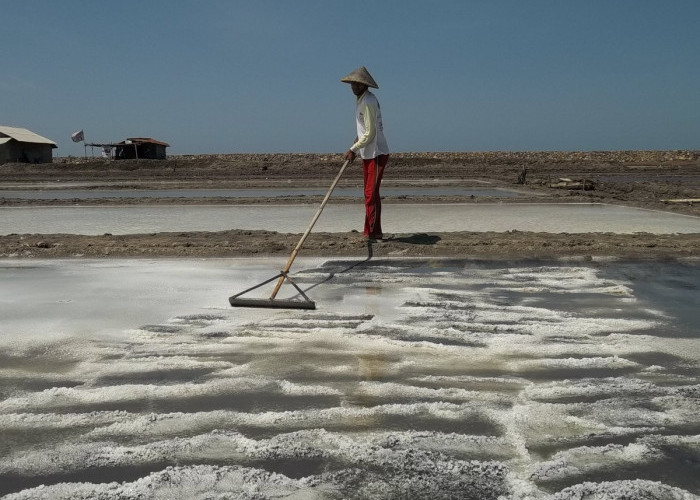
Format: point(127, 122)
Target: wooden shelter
point(22, 145)
point(140, 148)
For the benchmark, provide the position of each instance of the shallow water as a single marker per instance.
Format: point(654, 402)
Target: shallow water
point(403, 218)
point(417, 378)
point(85, 194)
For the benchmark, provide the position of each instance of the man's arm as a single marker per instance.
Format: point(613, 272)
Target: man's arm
point(350, 154)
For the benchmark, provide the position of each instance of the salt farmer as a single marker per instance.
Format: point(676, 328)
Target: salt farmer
point(371, 145)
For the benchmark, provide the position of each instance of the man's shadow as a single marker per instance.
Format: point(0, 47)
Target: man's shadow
point(417, 239)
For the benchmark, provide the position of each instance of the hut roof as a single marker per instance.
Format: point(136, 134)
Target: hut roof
point(24, 135)
point(144, 140)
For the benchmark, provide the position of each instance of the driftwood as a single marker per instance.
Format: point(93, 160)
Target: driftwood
point(689, 201)
point(564, 183)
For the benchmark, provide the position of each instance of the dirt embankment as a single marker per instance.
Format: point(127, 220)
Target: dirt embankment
point(244, 243)
point(660, 180)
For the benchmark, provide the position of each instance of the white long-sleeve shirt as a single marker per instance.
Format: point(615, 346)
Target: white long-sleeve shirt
point(370, 129)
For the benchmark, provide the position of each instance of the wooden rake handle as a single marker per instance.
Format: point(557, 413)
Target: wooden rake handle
point(308, 230)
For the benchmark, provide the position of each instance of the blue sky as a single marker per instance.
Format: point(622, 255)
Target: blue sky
point(232, 76)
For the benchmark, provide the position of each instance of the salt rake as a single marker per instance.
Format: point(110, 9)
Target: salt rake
point(272, 302)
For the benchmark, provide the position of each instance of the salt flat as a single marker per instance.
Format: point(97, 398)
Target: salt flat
point(420, 377)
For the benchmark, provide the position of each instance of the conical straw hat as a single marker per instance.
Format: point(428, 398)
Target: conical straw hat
point(361, 75)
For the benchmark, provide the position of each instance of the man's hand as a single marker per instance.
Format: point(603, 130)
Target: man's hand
point(350, 155)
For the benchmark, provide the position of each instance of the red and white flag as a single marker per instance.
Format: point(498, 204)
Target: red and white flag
point(78, 136)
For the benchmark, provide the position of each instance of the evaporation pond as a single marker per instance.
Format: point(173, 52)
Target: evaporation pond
point(396, 218)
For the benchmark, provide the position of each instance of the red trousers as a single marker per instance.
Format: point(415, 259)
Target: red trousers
point(373, 171)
